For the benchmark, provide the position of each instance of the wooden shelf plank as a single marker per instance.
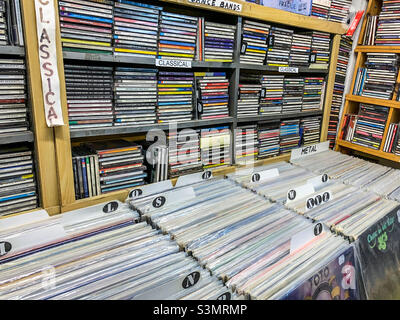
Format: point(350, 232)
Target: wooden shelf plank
point(272, 15)
point(376, 153)
point(379, 102)
point(383, 49)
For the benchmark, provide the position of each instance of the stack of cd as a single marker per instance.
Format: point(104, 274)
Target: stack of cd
point(89, 96)
point(392, 138)
point(320, 49)
point(338, 89)
point(12, 32)
point(246, 144)
point(13, 109)
point(268, 140)
point(339, 10)
point(313, 87)
point(177, 36)
point(86, 173)
point(135, 29)
point(120, 164)
point(387, 31)
point(379, 78)
point(289, 135)
point(175, 96)
point(293, 95)
point(271, 94)
point(320, 8)
point(249, 95)
point(219, 40)
point(135, 96)
point(370, 31)
point(370, 125)
point(184, 152)
point(212, 95)
point(300, 50)
point(17, 181)
point(86, 26)
point(215, 146)
point(254, 42)
point(311, 130)
point(280, 42)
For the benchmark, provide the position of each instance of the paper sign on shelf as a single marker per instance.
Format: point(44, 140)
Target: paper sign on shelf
point(300, 192)
point(23, 219)
point(170, 63)
point(46, 33)
point(309, 150)
point(318, 199)
point(303, 237)
point(260, 176)
point(224, 4)
point(149, 189)
point(194, 178)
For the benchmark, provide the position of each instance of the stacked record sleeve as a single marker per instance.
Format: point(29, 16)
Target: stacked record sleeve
point(300, 50)
point(212, 95)
point(11, 30)
point(280, 42)
point(271, 94)
point(86, 173)
point(17, 180)
point(268, 140)
point(387, 33)
point(310, 129)
point(89, 96)
point(246, 143)
point(339, 10)
point(135, 96)
point(380, 75)
point(215, 147)
point(293, 94)
point(320, 49)
point(86, 26)
point(249, 95)
point(177, 36)
point(320, 8)
point(370, 125)
point(392, 139)
point(184, 152)
point(254, 42)
point(13, 109)
point(338, 89)
point(289, 135)
point(370, 31)
point(313, 87)
point(219, 40)
point(135, 29)
point(120, 164)
point(175, 96)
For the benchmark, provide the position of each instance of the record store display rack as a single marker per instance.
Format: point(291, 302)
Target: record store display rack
point(371, 115)
point(98, 114)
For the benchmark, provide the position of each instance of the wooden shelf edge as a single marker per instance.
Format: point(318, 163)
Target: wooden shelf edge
point(273, 15)
point(383, 49)
point(379, 102)
point(372, 152)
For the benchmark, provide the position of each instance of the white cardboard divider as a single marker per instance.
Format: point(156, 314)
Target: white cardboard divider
point(149, 189)
point(309, 150)
point(23, 219)
point(303, 237)
point(193, 178)
point(317, 200)
point(264, 175)
point(319, 180)
point(300, 192)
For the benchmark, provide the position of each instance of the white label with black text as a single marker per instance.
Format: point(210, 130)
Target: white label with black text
point(309, 150)
point(317, 200)
point(229, 5)
point(169, 63)
point(288, 70)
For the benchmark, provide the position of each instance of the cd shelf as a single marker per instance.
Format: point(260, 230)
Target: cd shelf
point(353, 102)
point(55, 153)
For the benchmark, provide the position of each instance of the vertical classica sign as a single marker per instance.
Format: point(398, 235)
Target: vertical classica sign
point(46, 32)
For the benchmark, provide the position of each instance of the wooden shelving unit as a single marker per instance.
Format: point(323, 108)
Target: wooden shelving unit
point(54, 152)
point(353, 101)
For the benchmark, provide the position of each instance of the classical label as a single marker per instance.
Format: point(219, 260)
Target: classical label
point(169, 63)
